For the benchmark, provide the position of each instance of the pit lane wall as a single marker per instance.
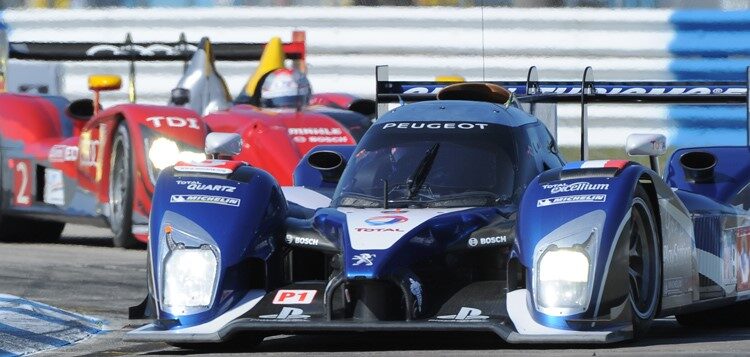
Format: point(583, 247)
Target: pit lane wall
point(344, 45)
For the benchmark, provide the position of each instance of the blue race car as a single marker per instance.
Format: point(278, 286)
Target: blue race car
point(455, 214)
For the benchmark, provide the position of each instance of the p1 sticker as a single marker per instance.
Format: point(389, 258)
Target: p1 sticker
point(294, 297)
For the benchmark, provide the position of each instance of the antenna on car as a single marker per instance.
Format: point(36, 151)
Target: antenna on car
point(587, 89)
point(385, 194)
point(131, 69)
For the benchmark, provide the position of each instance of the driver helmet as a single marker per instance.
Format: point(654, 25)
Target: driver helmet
point(285, 88)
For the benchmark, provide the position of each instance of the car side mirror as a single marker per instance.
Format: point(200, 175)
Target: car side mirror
point(223, 144)
point(103, 82)
point(180, 96)
point(366, 107)
point(81, 109)
point(651, 145)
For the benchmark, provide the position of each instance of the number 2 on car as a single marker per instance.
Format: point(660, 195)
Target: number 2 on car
point(21, 184)
point(292, 297)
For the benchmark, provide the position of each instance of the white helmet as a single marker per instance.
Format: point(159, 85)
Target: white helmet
point(285, 88)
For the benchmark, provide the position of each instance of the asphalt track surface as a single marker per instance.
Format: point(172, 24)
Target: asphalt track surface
point(84, 274)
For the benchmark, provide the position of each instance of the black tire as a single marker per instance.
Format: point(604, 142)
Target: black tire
point(20, 229)
point(121, 190)
point(644, 263)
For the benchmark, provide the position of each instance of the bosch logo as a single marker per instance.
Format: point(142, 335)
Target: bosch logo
point(473, 242)
point(385, 220)
point(493, 240)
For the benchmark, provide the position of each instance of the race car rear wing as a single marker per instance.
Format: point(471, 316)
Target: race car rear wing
point(540, 97)
point(130, 51)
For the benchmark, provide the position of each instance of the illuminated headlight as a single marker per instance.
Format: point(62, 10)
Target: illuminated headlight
point(563, 279)
point(164, 152)
point(189, 276)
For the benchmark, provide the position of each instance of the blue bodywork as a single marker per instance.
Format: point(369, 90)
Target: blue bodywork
point(416, 266)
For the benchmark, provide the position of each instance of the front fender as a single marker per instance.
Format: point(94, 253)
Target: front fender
point(589, 210)
point(239, 217)
point(145, 123)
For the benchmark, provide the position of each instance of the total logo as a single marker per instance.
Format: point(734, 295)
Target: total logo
point(377, 230)
point(385, 220)
point(466, 314)
point(287, 313)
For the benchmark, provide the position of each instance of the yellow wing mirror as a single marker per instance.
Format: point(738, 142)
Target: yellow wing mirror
point(452, 78)
point(103, 82)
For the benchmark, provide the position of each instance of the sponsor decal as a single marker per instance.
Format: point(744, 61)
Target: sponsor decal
point(605, 90)
point(217, 200)
point(315, 131)
point(447, 125)
point(292, 239)
point(174, 122)
point(377, 230)
point(473, 242)
point(551, 201)
point(465, 314)
point(318, 135)
point(416, 289)
point(392, 211)
point(742, 240)
point(287, 313)
point(54, 190)
point(426, 241)
point(385, 220)
point(150, 50)
point(208, 166)
point(62, 153)
point(364, 258)
point(575, 186)
point(199, 186)
point(294, 297)
point(88, 149)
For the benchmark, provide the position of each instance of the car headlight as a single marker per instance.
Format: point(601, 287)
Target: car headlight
point(189, 277)
point(563, 279)
point(165, 152)
point(564, 264)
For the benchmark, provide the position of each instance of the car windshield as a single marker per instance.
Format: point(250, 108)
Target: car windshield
point(422, 164)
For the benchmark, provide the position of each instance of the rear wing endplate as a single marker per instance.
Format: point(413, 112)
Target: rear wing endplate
point(535, 95)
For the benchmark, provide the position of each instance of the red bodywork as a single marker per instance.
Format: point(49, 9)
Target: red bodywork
point(276, 140)
point(33, 140)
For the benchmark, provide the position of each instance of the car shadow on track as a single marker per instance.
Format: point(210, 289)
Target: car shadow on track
point(663, 332)
point(87, 241)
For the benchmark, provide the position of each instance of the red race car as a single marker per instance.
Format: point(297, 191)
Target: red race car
point(273, 112)
point(65, 161)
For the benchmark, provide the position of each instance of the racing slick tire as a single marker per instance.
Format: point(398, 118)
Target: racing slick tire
point(121, 190)
point(644, 263)
point(29, 230)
